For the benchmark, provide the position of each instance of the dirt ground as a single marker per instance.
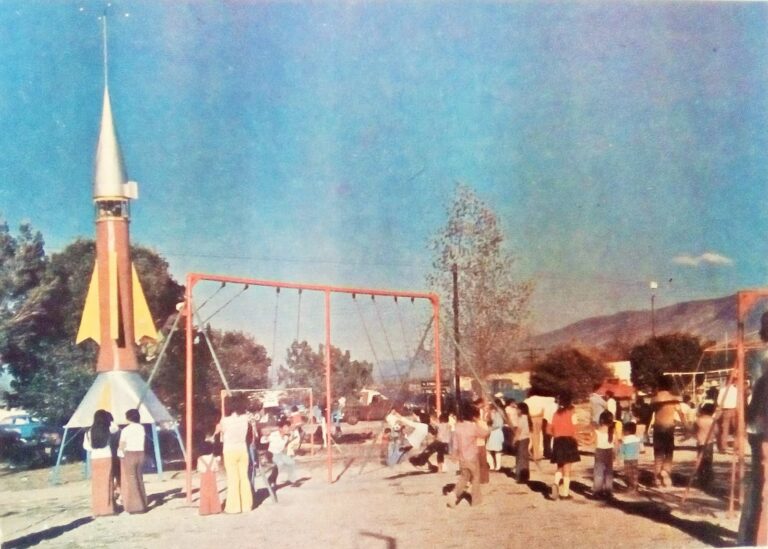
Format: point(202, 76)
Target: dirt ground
point(369, 505)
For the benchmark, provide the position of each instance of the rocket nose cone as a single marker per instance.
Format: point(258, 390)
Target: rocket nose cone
point(109, 172)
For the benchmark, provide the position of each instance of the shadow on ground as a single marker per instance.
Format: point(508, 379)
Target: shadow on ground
point(48, 534)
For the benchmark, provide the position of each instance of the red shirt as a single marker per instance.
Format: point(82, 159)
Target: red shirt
point(562, 424)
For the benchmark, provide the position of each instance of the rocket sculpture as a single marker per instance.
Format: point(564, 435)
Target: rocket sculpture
point(116, 315)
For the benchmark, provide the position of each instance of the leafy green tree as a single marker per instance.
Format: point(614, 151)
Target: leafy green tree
point(665, 353)
point(23, 298)
point(493, 303)
point(568, 369)
point(306, 368)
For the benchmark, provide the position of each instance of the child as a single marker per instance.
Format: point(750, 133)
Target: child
point(386, 438)
point(705, 442)
point(467, 453)
point(602, 486)
point(207, 466)
point(629, 453)
point(495, 442)
point(565, 449)
point(521, 442)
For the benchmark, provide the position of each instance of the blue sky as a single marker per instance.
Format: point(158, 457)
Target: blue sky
point(619, 143)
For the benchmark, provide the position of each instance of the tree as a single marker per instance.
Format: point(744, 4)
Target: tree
point(493, 303)
point(306, 368)
point(41, 303)
point(665, 353)
point(23, 298)
point(568, 369)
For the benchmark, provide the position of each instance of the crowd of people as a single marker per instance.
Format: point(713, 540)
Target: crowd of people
point(543, 427)
point(473, 440)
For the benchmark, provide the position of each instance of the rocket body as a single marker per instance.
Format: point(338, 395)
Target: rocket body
point(116, 314)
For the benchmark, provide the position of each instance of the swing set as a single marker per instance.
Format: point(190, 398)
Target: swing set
point(326, 290)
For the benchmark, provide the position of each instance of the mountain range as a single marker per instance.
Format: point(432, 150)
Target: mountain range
point(709, 319)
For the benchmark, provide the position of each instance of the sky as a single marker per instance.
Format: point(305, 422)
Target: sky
point(619, 143)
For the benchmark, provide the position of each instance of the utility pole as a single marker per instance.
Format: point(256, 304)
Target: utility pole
point(456, 353)
point(653, 286)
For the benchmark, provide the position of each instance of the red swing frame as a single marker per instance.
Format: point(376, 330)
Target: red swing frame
point(194, 278)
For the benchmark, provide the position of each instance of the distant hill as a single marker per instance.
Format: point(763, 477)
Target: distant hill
point(709, 319)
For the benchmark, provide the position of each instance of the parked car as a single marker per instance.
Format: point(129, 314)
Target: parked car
point(27, 440)
point(377, 410)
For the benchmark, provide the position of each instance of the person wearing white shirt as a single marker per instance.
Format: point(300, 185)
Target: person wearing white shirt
point(727, 398)
point(550, 407)
point(131, 447)
point(536, 404)
point(234, 432)
point(279, 442)
point(97, 442)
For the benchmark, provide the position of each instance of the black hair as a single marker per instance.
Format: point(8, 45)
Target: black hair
point(630, 428)
point(664, 383)
point(707, 409)
point(99, 432)
point(235, 404)
point(606, 418)
point(522, 409)
point(564, 400)
point(469, 411)
point(206, 447)
point(133, 415)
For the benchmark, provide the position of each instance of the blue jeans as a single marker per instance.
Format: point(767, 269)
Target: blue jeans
point(285, 464)
point(603, 472)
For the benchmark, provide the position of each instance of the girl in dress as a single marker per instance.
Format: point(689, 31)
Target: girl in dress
point(208, 466)
point(496, 438)
point(565, 449)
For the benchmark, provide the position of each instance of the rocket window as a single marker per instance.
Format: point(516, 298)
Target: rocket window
point(112, 208)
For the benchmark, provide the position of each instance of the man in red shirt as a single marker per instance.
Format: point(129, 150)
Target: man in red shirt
point(465, 450)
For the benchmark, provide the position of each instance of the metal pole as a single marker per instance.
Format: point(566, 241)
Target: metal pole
point(329, 397)
point(653, 315)
point(188, 397)
point(438, 369)
point(456, 354)
point(158, 456)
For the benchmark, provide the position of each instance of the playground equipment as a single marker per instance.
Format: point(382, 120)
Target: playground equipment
point(326, 290)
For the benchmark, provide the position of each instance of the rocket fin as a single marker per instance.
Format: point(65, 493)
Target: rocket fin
point(89, 323)
point(143, 325)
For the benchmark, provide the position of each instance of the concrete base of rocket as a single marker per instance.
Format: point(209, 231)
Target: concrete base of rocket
point(118, 391)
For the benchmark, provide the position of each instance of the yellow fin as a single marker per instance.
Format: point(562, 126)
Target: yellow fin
point(143, 325)
point(89, 323)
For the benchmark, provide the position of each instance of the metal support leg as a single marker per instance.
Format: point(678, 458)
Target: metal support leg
point(158, 457)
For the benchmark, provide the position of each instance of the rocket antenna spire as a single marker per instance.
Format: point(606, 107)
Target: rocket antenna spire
point(104, 46)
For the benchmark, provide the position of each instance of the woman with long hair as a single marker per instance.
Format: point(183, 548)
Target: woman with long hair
point(97, 442)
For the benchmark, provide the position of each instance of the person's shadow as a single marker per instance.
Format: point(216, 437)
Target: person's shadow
point(48, 534)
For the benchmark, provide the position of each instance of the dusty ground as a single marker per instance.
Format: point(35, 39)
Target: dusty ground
point(369, 505)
